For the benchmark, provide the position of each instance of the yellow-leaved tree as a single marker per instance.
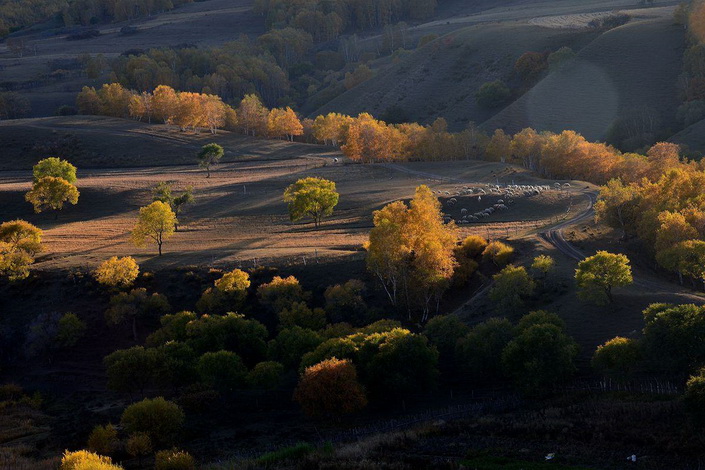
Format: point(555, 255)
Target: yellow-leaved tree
point(411, 251)
point(51, 193)
point(117, 272)
point(155, 222)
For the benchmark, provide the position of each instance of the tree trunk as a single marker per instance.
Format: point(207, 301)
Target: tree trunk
point(159, 244)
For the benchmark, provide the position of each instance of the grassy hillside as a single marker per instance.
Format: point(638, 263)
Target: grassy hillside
point(441, 78)
point(103, 142)
point(625, 70)
point(692, 137)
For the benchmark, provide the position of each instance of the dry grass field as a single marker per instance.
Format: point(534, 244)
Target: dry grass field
point(239, 216)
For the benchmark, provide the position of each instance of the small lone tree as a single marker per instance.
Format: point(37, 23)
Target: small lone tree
point(163, 192)
point(50, 192)
point(597, 275)
point(55, 167)
point(314, 197)
point(157, 222)
point(210, 154)
point(511, 284)
point(117, 272)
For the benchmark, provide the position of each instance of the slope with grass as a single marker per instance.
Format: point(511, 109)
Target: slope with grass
point(627, 70)
point(441, 78)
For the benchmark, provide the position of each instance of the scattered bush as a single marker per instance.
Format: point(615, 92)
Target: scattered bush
point(117, 272)
point(492, 94)
point(160, 419)
point(174, 460)
point(85, 460)
point(103, 440)
point(617, 358)
point(138, 445)
point(281, 293)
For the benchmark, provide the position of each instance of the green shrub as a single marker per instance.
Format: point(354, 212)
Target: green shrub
point(498, 253)
point(160, 419)
point(295, 452)
point(103, 440)
point(71, 330)
point(265, 375)
point(492, 94)
point(222, 370)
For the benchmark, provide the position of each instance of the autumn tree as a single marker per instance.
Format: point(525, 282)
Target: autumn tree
point(281, 293)
point(617, 206)
point(252, 115)
point(20, 241)
point(156, 222)
point(330, 389)
point(227, 295)
point(103, 439)
point(117, 272)
point(55, 167)
point(313, 197)
point(210, 154)
point(284, 122)
point(410, 250)
point(498, 253)
point(164, 104)
point(597, 275)
point(83, 459)
point(50, 193)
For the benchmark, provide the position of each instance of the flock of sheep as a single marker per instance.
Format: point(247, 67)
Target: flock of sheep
point(509, 192)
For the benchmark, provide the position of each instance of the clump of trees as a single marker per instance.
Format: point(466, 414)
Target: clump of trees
point(411, 252)
point(312, 197)
point(117, 272)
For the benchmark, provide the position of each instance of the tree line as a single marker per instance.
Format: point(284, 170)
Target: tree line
point(16, 15)
point(325, 20)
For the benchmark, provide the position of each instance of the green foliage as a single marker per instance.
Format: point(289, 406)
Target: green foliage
point(291, 453)
point(227, 295)
point(291, 344)
point(178, 365)
point(598, 274)
point(560, 57)
point(232, 332)
point(265, 375)
point(210, 154)
point(133, 305)
point(71, 330)
point(344, 303)
point(479, 353)
point(617, 358)
point(162, 420)
point(173, 328)
point(299, 314)
point(103, 440)
point(444, 332)
point(543, 265)
point(539, 317)
point(492, 94)
point(695, 395)
point(138, 444)
point(511, 284)
point(540, 356)
point(222, 370)
point(133, 370)
point(312, 197)
point(174, 459)
point(55, 167)
point(674, 337)
point(163, 192)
